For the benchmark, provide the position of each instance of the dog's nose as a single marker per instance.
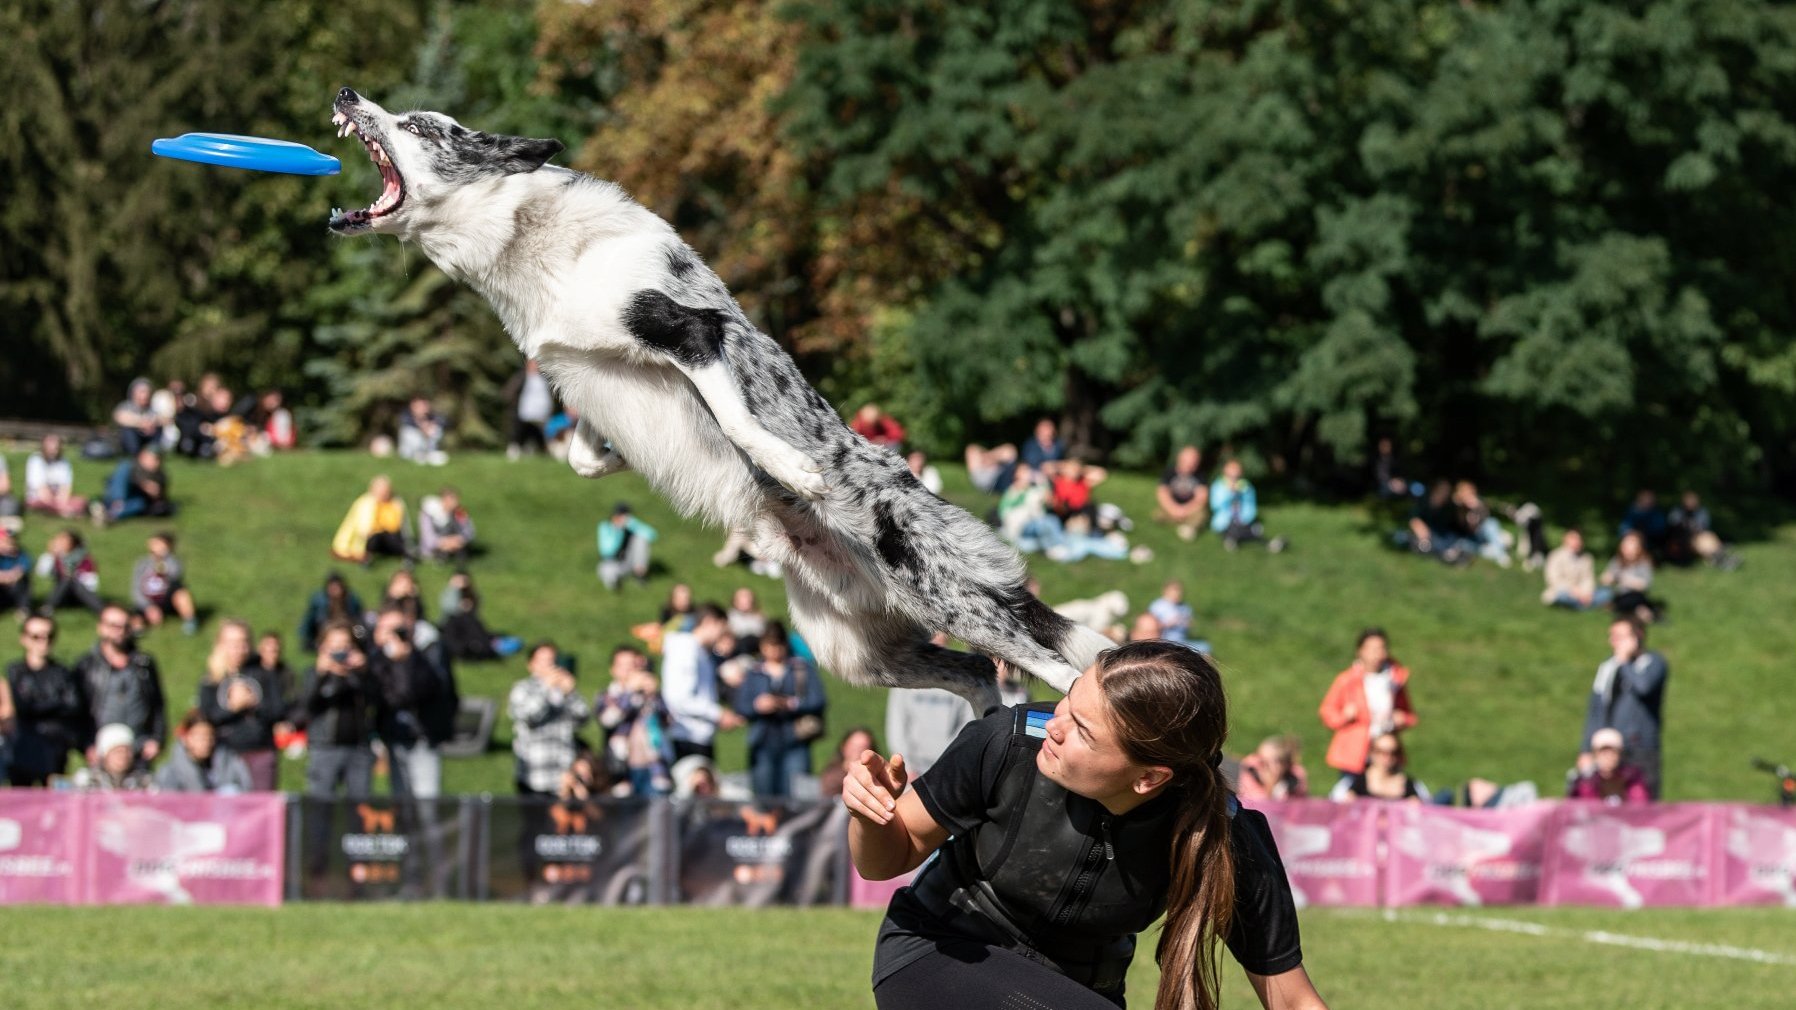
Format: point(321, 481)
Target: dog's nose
point(348, 95)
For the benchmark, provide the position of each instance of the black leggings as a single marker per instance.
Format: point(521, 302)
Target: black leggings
point(973, 976)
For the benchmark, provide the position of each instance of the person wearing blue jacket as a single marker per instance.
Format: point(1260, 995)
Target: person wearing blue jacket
point(782, 698)
point(1628, 695)
point(624, 547)
point(1235, 510)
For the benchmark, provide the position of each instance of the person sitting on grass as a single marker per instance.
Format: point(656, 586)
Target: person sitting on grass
point(1609, 778)
point(445, 530)
point(1235, 511)
point(374, 526)
point(1485, 533)
point(464, 633)
point(1645, 517)
point(1272, 772)
point(200, 764)
point(624, 547)
point(1629, 575)
point(136, 419)
point(332, 603)
point(50, 482)
point(926, 474)
point(1434, 527)
point(70, 572)
point(1171, 610)
point(137, 487)
point(1385, 777)
point(1182, 495)
point(990, 469)
point(1692, 536)
point(421, 431)
point(15, 574)
point(877, 427)
point(1070, 484)
point(10, 509)
point(1571, 576)
point(159, 587)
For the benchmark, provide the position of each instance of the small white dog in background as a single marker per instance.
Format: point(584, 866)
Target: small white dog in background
point(671, 380)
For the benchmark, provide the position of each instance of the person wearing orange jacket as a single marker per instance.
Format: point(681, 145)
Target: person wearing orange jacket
point(1368, 699)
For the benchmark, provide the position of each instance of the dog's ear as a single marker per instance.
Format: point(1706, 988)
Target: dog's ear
point(526, 154)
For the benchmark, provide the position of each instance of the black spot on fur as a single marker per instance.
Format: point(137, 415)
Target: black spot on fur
point(893, 546)
point(782, 382)
point(472, 154)
point(1045, 626)
point(693, 337)
point(680, 262)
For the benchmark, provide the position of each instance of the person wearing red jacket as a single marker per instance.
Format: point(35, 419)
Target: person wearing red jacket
point(1366, 700)
point(877, 426)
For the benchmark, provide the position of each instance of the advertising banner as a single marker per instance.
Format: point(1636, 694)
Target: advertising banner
point(762, 854)
point(1755, 862)
point(1629, 857)
point(1451, 856)
point(1330, 850)
point(40, 838)
point(183, 848)
point(380, 849)
point(545, 851)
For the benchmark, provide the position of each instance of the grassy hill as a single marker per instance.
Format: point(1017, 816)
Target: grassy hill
point(1498, 680)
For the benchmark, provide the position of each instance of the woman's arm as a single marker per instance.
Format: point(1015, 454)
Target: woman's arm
point(1291, 990)
point(890, 832)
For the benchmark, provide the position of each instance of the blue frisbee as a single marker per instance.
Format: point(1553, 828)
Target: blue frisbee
point(260, 154)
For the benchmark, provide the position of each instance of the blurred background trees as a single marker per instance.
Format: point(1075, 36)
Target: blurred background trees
point(1547, 238)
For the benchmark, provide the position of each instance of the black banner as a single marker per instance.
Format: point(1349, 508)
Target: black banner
point(762, 854)
point(549, 852)
point(379, 849)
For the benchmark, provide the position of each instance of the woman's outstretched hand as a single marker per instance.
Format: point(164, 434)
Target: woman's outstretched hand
point(873, 785)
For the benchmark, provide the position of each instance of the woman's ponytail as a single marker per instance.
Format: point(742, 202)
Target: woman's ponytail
point(1200, 900)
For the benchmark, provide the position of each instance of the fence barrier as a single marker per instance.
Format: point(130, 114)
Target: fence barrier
point(125, 848)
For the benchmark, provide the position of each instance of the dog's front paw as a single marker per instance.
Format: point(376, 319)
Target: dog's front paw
point(797, 472)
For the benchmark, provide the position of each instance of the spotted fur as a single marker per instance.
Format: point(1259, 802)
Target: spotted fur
point(671, 379)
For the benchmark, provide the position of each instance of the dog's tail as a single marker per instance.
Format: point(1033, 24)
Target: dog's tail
point(1080, 645)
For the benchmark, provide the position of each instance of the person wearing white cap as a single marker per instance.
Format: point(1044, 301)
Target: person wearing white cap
point(115, 762)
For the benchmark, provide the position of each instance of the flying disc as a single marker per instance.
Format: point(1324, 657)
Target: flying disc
point(261, 154)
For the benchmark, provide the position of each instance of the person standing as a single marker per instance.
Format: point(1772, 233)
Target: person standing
point(782, 699)
point(50, 703)
point(690, 687)
point(338, 706)
point(15, 575)
point(1368, 699)
point(532, 404)
point(1628, 695)
point(922, 722)
point(547, 712)
point(418, 705)
point(242, 703)
point(124, 686)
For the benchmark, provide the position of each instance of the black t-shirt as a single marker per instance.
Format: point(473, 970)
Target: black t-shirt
point(1182, 486)
point(958, 791)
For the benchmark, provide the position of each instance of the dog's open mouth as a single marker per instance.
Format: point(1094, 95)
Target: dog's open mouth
point(392, 193)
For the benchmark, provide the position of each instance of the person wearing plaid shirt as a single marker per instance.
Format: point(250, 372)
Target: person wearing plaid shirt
point(547, 712)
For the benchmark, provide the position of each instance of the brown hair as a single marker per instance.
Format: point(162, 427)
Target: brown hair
point(1168, 707)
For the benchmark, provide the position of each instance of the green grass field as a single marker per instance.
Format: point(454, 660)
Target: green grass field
point(1499, 680)
point(449, 956)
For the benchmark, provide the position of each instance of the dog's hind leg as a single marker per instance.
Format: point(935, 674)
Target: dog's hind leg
point(886, 649)
point(590, 455)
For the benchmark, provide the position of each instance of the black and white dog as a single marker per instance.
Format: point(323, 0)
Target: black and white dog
point(671, 380)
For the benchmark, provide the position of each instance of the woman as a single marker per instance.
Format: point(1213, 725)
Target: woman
point(1629, 575)
point(243, 702)
point(1272, 773)
point(70, 570)
point(334, 603)
point(374, 526)
point(1384, 777)
point(201, 764)
point(747, 621)
point(1119, 795)
point(782, 698)
point(855, 742)
point(1369, 698)
point(50, 482)
point(403, 595)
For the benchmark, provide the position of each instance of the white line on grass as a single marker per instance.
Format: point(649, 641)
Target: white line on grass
point(1651, 943)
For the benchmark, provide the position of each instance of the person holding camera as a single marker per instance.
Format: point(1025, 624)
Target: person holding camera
point(782, 699)
point(124, 685)
point(636, 722)
point(339, 697)
point(243, 702)
point(546, 715)
point(418, 705)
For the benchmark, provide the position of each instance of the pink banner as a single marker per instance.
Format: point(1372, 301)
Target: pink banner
point(1330, 850)
point(1755, 861)
point(864, 893)
point(1449, 856)
point(1630, 857)
point(39, 837)
point(180, 849)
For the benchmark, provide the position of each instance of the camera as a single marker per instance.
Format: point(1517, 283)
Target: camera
point(340, 656)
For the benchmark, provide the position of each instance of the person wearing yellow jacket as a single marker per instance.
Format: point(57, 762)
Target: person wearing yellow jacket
point(375, 526)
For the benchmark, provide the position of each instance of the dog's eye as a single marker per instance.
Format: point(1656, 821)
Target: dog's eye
point(412, 128)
